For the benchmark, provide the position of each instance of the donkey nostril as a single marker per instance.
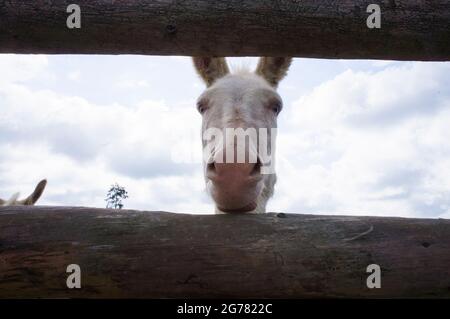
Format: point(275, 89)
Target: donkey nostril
point(233, 171)
point(211, 167)
point(256, 168)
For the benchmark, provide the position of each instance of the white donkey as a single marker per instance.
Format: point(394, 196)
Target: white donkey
point(30, 200)
point(242, 100)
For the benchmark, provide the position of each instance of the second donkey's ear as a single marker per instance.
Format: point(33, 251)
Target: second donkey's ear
point(33, 198)
point(273, 69)
point(211, 69)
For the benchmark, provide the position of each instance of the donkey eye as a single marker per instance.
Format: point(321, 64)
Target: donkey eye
point(276, 107)
point(201, 107)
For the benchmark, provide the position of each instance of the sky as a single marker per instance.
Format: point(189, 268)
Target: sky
point(354, 138)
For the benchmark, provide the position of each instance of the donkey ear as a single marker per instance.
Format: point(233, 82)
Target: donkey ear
point(211, 69)
point(33, 198)
point(273, 69)
point(13, 200)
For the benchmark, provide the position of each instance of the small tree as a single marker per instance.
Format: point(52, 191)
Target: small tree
point(115, 196)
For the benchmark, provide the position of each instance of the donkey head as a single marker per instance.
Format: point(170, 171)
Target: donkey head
point(30, 200)
point(239, 112)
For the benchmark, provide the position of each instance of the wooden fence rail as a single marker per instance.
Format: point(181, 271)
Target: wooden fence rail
point(158, 255)
point(410, 29)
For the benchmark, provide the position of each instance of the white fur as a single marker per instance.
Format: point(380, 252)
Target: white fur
point(12, 200)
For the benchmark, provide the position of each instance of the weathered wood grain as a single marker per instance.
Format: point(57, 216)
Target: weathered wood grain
point(154, 255)
point(410, 29)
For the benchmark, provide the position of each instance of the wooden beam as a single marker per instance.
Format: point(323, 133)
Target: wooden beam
point(155, 255)
point(410, 29)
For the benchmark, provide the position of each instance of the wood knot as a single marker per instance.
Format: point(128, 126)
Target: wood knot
point(171, 29)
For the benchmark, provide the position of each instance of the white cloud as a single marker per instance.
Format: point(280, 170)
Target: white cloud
point(74, 75)
point(131, 83)
point(382, 63)
point(369, 143)
point(85, 184)
point(20, 68)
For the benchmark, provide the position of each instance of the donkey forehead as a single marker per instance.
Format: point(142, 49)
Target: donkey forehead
point(240, 87)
